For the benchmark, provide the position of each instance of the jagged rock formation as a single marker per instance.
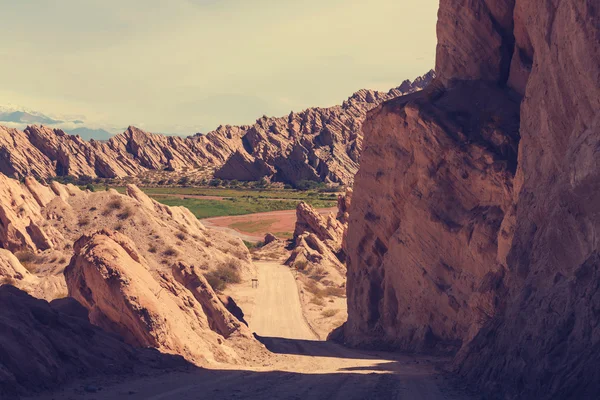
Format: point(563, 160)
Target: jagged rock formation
point(177, 313)
point(455, 242)
point(43, 347)
point(43, 152)
point(321, 144)
point(161, 276)
point(318, 144)
point(318, 244)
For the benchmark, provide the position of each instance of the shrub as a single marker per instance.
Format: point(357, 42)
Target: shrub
point(126, 213)
point(317, 301)
point(90, 187)
point(27, 259)
point(253, 246)
point(170, 252)
point(329, 313)
point(223, 275)
point(335, 291)
point(115, 204)
point(152, 249)
point(181, 236)
point(301, 265)
point(8, 280)
point(119, 227)
point(83, 221)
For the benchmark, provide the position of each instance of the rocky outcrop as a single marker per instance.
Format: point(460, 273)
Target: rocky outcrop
point(326, 228)
point(43, 347)
point(459, 241)
point(426, 214)
point(45, 153)
point(176, 313)
point(317, 248)
point(318, 144)
point(41, 223)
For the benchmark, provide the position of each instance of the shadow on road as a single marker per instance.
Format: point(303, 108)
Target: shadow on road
point(314, 348)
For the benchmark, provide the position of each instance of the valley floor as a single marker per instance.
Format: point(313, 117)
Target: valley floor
point(301, 367)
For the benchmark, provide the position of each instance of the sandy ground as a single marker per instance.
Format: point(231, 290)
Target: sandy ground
point(301, 367)
point(267, 222)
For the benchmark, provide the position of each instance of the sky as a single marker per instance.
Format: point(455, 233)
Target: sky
point(186, 66)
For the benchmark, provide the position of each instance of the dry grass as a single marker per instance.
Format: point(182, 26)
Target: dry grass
point(301, 265)
point(329, 291)
point(125, 214)
point(329, 313)
point(317, 301)
point(8, 280)
point(224, 275)
point(83, 221)
point(115, 204)
point(28, 259)
point(170, 252)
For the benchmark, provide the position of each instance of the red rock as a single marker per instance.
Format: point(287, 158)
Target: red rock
point(447, 248)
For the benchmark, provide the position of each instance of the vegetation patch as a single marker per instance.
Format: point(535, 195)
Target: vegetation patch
point(224, 275)
point(329, 313)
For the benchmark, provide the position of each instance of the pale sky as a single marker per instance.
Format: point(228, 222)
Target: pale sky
point(186, 66)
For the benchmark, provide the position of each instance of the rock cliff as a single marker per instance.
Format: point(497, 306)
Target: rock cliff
point(318, 144)
point(175, 313)
point(472, 226)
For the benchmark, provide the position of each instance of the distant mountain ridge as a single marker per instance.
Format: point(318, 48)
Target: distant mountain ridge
point(320, 144)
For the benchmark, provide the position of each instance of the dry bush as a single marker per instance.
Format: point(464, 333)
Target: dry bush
point(115, 204)
point(170, 252)
point(317, 301)
point(318, 273)
point(8, 280)
point(329, 313)
point(119, 227)
point(301, 265)
point(93, 209)
point(181, 236)
point(126, 213)
point(28, 259)
point(329, 291)
point(335, 291)
point(83, 221)
point(224, 275)
point(152, 249)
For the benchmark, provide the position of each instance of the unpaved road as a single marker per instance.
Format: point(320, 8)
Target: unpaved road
point(303, 368)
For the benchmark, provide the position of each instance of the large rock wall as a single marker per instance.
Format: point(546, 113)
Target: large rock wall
point(453, 245)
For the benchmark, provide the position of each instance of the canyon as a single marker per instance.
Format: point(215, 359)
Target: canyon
point(463, 262)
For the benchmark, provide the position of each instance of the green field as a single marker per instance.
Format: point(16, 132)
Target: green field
point(235, 206)
point(235, 201)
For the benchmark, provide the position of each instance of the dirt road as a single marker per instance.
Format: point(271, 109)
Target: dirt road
point(302, 367)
